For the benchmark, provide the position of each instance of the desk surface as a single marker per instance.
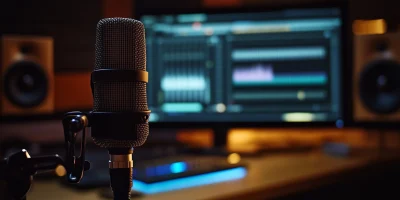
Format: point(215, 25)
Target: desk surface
point(268, 176)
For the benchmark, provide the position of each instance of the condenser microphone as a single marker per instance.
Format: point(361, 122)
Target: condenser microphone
point(119, 119)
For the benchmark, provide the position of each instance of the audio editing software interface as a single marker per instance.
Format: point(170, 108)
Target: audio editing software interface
point(263, 66)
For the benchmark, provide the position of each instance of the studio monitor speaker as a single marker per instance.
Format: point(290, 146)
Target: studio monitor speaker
point(27, 76)
point(376, 75)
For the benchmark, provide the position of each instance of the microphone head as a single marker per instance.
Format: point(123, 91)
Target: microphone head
point(120, 44)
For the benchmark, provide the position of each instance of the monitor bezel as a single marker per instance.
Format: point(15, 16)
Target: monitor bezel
point(345, 71)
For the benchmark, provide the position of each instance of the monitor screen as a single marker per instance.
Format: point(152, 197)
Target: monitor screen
point(275, 66)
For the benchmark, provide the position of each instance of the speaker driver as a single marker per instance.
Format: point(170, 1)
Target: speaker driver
point(380, 86)
point(25, 84)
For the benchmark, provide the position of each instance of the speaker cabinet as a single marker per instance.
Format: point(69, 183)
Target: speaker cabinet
point(376, 88)
point(27, 76)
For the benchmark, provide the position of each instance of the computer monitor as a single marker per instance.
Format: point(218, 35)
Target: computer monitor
point(246, 66)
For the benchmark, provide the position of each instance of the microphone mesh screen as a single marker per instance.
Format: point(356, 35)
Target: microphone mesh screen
point(120, 97)
point(120, 44)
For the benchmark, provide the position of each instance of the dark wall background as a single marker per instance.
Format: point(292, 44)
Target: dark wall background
point(72, 23)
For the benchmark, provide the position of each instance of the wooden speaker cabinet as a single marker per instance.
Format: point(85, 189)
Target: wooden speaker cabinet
point(376, 75)
point(27, 75)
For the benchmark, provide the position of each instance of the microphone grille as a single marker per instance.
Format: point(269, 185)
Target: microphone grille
point(120, 97)
point(120, 44)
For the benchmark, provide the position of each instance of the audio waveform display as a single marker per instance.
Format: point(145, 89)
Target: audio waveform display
point(264, 75)
point(280, 95)
point(282, 53)
point(192, 107)
point(182, 77)
point(183, 83)
point(180, 88)
point(257, 73)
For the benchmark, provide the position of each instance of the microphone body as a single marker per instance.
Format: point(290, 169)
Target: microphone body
point(119, 120)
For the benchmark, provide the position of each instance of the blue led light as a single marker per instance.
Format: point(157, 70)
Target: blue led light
point(150, 171)
point(192, 181)
point(162, 170)
point(178, 167)
point(339, 123)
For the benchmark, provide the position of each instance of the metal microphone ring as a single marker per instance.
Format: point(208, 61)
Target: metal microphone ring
point(120, 161)
point(119, 164)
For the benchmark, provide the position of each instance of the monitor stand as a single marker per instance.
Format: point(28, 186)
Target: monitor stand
point(220, 135)
point(219, 146)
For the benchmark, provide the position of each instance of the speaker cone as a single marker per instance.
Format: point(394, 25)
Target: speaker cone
point(25, 84)
point(380, 86)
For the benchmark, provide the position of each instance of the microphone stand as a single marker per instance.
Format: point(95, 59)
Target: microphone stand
point(17, 173)
point(120, 160)
point(74, 123)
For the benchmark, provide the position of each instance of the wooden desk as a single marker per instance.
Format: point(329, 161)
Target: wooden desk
point(268, 177)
